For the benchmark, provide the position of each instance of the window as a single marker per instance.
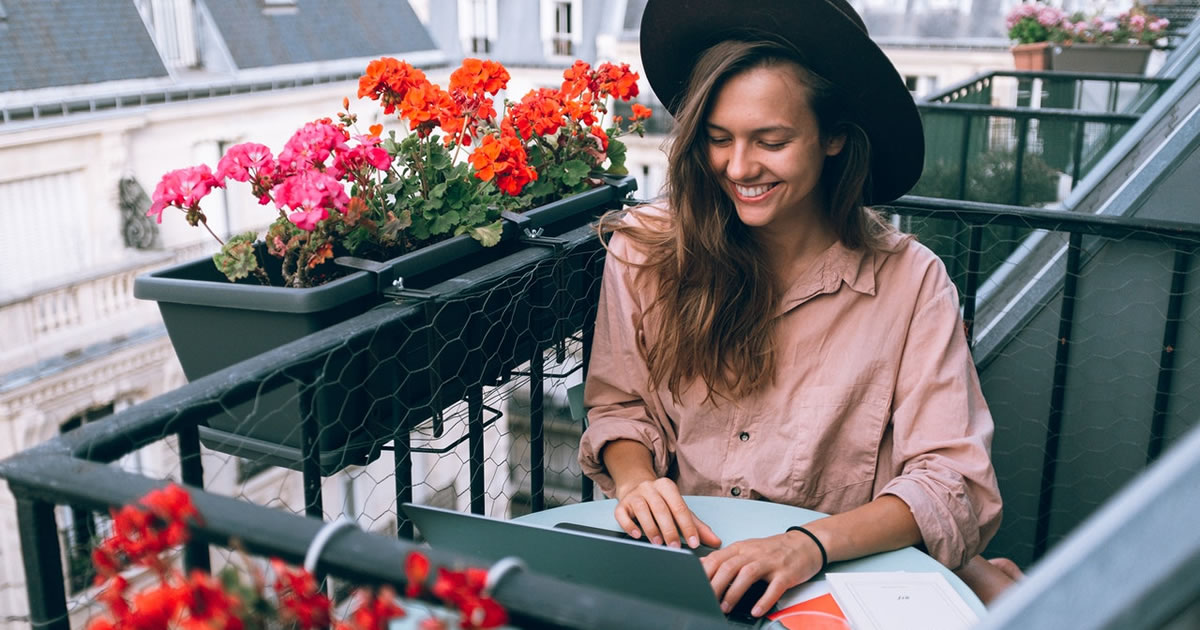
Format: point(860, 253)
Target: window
point(279, 7)
point(562, 27)
point(477, 26)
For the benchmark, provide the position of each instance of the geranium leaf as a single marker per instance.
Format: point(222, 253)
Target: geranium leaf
point(237, 258)
point(488, 235)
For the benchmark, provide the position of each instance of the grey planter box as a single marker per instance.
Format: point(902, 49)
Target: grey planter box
point(1123, 59)
point(213, 323)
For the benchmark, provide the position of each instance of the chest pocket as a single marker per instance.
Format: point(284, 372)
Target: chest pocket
point(834, 434)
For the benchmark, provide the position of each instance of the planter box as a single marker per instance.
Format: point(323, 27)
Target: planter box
point(213, 323)
point(1123, 59)
point(1031, 56)
point(1106, 58)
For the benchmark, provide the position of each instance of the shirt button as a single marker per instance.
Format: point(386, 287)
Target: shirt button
point(737, 492)
point(744, 436)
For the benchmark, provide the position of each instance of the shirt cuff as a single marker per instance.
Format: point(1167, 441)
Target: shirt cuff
point(609, 429)
point(947, 523)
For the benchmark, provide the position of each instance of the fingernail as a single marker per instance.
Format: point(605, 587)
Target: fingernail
point(693, 542)
point(656, 540)
point(674, 544)
point(635, 533)
point(725, 607)
point(756, 612)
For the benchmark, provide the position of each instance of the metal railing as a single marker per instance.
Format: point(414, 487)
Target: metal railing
point(465, 341)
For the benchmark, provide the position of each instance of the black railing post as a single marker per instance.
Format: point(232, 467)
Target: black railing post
point(964, 156)
point(1019, 159)
point(1166, 360)
point(402, 453)
point(42, 557)
point(191, 471)
point(1077, 154)
point(537, 435)
point(475, 446)
point(310, 449)
point(971, 284)
point(1057, 396)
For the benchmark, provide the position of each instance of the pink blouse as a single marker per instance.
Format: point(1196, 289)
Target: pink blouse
point(875, 393)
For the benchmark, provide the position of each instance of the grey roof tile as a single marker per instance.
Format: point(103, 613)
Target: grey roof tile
point(71, 42)
point(318, 30)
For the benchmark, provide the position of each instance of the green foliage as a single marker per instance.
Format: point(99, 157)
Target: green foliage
point(991, 177)
point(237, 258)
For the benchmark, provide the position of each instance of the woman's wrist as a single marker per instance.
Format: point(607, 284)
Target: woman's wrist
point(807, 537)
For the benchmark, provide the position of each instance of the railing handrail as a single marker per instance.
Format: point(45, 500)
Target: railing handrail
point(531, 599)
point(1046, 74)
point(980, 213)
point(1047, 113)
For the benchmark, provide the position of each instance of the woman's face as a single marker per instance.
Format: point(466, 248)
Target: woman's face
point(765, 147)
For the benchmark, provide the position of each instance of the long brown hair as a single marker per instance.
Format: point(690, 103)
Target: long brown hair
point(715, 296)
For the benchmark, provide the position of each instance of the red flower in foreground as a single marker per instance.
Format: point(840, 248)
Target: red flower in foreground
point(464, 590)
point(300, 600)
point(373, 611)
point(416, 571)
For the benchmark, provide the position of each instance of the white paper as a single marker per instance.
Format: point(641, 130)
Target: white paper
point(900, 601)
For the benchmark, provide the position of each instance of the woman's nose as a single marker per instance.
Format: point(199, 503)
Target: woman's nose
point(741, 163)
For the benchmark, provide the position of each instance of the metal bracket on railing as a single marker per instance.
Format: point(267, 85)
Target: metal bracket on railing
point(399, 292)
point(531, 235)
point(382, 272)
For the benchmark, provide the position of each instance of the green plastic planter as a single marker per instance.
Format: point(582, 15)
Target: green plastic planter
point(213, 323)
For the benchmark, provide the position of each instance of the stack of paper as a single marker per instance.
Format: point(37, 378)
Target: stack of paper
point(900, 601)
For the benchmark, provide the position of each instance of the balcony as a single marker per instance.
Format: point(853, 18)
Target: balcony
point(1090, 373)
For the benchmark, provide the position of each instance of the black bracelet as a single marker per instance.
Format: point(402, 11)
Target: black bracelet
point(824, 557)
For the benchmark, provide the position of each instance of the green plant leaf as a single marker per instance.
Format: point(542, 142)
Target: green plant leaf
point(616, 157)
point(488, 235)
point(574, 171)
point(237, 258)
point(444, 222)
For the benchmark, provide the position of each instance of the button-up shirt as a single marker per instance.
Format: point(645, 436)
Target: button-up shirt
point(875, 392)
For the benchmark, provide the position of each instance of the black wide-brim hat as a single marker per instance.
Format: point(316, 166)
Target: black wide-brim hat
point(834, 43)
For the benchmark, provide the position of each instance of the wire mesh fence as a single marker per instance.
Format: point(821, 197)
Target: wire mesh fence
point(462, 392)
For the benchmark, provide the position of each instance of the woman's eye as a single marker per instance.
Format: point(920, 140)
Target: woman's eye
point(718, 141)
point(774, 146)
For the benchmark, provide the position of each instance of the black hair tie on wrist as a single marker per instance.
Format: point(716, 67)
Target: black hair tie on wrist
point(820, 547)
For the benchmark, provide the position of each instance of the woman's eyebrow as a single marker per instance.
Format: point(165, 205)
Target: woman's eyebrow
point(760, 131)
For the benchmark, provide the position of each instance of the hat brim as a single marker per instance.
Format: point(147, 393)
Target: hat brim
point(675, 32)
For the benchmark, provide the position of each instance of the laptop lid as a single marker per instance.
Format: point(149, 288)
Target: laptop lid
point(668, 576)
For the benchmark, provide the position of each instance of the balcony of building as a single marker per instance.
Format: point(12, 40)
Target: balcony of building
point(1063, 206)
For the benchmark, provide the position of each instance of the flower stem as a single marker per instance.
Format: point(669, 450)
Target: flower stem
point(204, 221)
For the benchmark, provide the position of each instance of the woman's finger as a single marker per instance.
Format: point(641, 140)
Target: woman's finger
point(707, 535)
point(625, 520)
point(645, 519)
point(775, 590)
point(664, 518)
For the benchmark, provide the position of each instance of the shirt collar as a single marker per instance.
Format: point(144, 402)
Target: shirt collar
point(836, 266)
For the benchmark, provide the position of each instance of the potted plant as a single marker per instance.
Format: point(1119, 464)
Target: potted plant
point(1047, 38)
point(355, 209)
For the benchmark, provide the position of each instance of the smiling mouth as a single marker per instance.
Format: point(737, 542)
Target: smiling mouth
point(752, 192)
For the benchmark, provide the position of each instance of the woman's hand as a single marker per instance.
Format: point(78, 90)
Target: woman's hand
point(655, 507)
point(783, 561)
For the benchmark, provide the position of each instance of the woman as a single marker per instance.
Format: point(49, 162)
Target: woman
point(764, 334)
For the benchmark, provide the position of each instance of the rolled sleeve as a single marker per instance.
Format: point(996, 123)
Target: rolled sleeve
point(942, 431)
point(616, 392)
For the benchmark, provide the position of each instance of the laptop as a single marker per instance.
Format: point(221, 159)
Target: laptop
point(577, 553)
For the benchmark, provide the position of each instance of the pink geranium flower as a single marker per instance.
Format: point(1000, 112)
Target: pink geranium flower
point(182, 188)
point(310, 195)
point(310, 146)
point(240, 160)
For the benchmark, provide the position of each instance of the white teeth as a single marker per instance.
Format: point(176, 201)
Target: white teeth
point(752, 191)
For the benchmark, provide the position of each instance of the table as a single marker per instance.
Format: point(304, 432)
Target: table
point(739, 519)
